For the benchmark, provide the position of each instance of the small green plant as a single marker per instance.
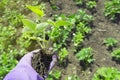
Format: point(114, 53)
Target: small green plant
point(78, 38)
point(107, 73)
point(91, 4)
point(7, 35)
point(39, 10)
point(85, 55)
point(8, 51)
point(54, 75)
point(79, 2)
point(83, 17)
point(81, 27)
point(110, 42)
point(116, 53)
point(112, 9)
point(34, 31)
point(12, 17)
point(73, 77)
point(8, 59)
point(7, 63)
point(62, 54)
point(3, 4)
point(59, 32)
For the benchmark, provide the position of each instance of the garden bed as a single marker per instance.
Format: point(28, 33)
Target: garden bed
point(102, 28)
point(70, 43)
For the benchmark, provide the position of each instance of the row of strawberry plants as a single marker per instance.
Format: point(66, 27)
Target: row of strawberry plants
point(34, 31)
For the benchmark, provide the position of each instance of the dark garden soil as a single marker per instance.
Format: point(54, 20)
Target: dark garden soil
point(102, 28)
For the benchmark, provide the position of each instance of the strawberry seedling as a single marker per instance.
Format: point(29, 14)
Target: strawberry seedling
point(81, 27)
point(116, 54)
point(62, 55)
point(107, 73)
point(91, 4)
point(78, 38)
point(83, 17)
point(79, 2)
point(85, 55)
point(59, 32)
point(112, 9)
point(110, 42)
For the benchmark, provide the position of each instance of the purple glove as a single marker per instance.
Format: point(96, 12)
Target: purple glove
point(24, 70)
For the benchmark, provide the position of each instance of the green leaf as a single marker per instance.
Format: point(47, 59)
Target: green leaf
point(62, 23)
point(36, 10)
point(40, 27)
point(26, 30)
point(51, 22)
point(29, 24)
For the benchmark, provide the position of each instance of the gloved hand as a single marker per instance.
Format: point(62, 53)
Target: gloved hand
point(24, 70)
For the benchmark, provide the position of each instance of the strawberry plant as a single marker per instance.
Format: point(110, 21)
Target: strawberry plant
point(8, 52)
point(7, 62)
point(33, 31)
point(107, 73)
point(79, 2)
point(110, 42)
point(3, 3)
point(59, 32)
point(83, 17)
point(12, 18)
point(7, 35)
point(62, 54)
point(116, 54)
point(91, 4)
point(112, 9)
point(81, 27)
point(85, 55)
point(78, 38)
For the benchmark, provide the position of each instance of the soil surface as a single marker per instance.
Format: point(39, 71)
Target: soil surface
point(102, 28)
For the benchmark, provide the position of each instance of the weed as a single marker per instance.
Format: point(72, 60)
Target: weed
point(107, 73)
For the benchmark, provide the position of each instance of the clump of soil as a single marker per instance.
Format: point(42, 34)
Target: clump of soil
point(41, 62)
